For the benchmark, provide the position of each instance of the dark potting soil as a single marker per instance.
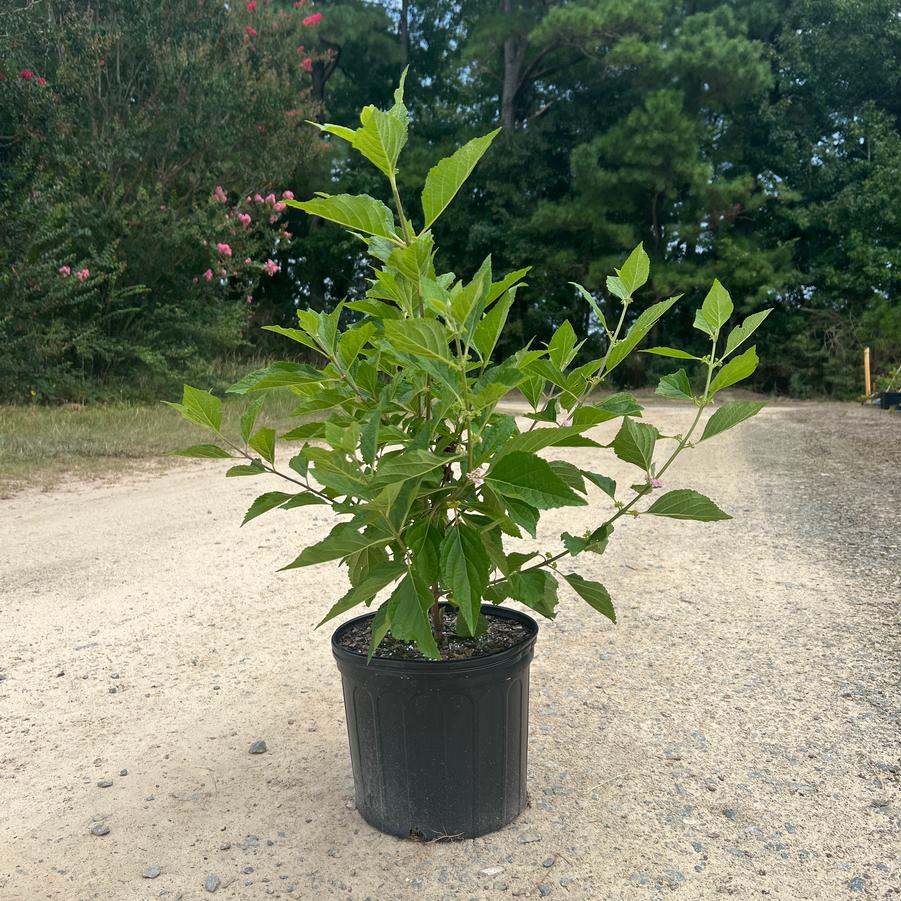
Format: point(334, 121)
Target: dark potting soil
point(500, 635)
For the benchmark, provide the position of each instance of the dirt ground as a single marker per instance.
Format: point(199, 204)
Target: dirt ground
point(736, 733)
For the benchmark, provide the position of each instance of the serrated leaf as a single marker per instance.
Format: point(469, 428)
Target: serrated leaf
point(446, 177)
point(304, 499)
point(737, 369)
point(265, 502)
point(418, 337)
point(717, 306)
point(616, 287)
point(364, 591)
point(741, 333)
point(535, 588)
point(607, 485)
point(199, 407)
point(528, 478)
point(562, 346)
point(702, 325)
point(250, 469)
point(634, 443)
point(208, 451)
point(410, 464)
point(634, 272)
point(594, 593)
point(670, 352)
point(342, 541)
point(684, 503)
point(586, 295)
point(537, 439)
point(295, 334)
point(642, 325)
point(729, 415)
point(408, 616)
point(491, 325)
point(675, 385)
point(249, 417)
point(263, 442)
point(465, 567)
point(357, 212)
point(278, 375)
point(380, 138)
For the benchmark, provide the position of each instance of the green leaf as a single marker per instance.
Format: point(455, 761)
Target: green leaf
point(562, 346)
point(536, 588)
point(607, 485)
point(410, 464)
point(357, 212)
point(464, 568)
point(446, 177)
point(616, 287)
point(635, 270)
point(683, 503)
point(264, 503)
point(491, 325)
point(353, 341)
point(537, 439)
point(295, 334)
point(381, 138)
point(523, 514)
point(251, 469)
point(741, 333)
point(418, 337)
point(642, 325)
point(379, 629)
point(363, 592)
point(249, 417)
point(278, 375)
point(343, 540)
point(634, 443)
point(702, 325)
point(528, 478)
point(586, 295)
point(408, 614)
point(729, 415)
point(304, 499)
point(199, 407)
point(263, 442)
point(675, 385)
point(594, 593)
point(210, 451)
point(735, 370)
point(670, 352)
point(717, 306)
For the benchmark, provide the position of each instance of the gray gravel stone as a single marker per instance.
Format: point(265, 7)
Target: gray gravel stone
point(104, 783)
point(225, 846)
point(544, 889)
point(152, 872)
point(528, 837)
point(212, 882)
point(857, 884)
point(258, 747)
point(99, 829)
point(729, 813)
point(123, 772)
point(548, 862)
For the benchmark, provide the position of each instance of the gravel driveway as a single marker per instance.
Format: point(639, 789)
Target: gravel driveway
point(736, 734)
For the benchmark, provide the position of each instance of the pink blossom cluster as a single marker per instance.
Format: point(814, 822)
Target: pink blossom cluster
point(28, 75)
point(310, 21)
point(82, 275)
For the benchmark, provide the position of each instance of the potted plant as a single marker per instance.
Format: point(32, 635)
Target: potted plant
point(432, 480)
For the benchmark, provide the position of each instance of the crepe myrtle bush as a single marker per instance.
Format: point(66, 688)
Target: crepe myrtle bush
point(408, 443)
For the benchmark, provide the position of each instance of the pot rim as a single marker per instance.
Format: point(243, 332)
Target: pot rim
point(468, 664)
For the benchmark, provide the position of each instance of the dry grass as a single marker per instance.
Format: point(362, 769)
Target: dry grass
point(42, 446)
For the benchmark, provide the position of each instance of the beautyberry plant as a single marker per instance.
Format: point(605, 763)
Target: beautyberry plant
point(408, 443)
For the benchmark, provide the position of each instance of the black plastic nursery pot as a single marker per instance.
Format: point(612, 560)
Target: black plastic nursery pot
point(889, 399)
point(439, 748)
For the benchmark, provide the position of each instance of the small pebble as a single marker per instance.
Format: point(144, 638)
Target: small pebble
point(99, 829)
point(225, 846)
point(104, 783)
point(258, 747)
point(152, 872)
point(350, 805)
point(529, 837)
point(247, 870)
point(123, 772)
point(544, 889)
point(212, 882)
point(548, 862)
point(729, 813)
point(114, 676)
point(492, 871)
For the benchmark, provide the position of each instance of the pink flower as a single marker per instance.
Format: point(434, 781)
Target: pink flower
point(315, 19)
point(279, 207)
point(65, 271)
point(224, 250)
point(270, 198)
point(252, 6)
point(244, 219)
point(258, 198)
point(83, 274)
point(273, 219)
point(251, 31)
point(223, 273)
point(247, 261)
point(208, 275)
point(26, 74)
point(248, 199)
point(220, 194)
point(477, 476)
point(288, 195)
point(288, 235)
point(41, 82)
point(656, 483)
point(248, 299)
point(270, 267)
point(306, 64)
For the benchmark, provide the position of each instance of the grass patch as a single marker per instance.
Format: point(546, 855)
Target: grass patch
point(41, 446)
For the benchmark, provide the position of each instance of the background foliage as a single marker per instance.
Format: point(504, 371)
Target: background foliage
point(757, 139)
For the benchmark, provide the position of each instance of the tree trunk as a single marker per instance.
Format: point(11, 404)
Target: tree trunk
point(514, 55)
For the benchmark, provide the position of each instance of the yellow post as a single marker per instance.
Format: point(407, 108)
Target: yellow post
point(866, 372)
